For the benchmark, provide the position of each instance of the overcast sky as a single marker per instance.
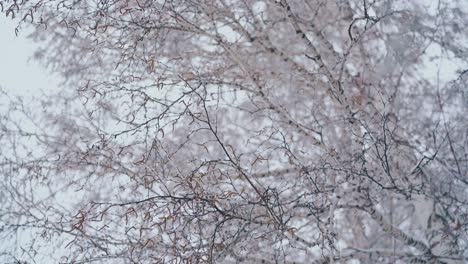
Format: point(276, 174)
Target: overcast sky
point(19, 73)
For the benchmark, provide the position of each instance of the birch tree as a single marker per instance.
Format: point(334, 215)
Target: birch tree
point(222, 131)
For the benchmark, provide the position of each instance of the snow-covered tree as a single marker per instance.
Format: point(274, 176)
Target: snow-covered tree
point(240, 131)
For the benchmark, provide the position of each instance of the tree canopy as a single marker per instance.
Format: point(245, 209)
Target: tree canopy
point(239, 131)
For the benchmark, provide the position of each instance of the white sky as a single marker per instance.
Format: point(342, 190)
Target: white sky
point(19, 73)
